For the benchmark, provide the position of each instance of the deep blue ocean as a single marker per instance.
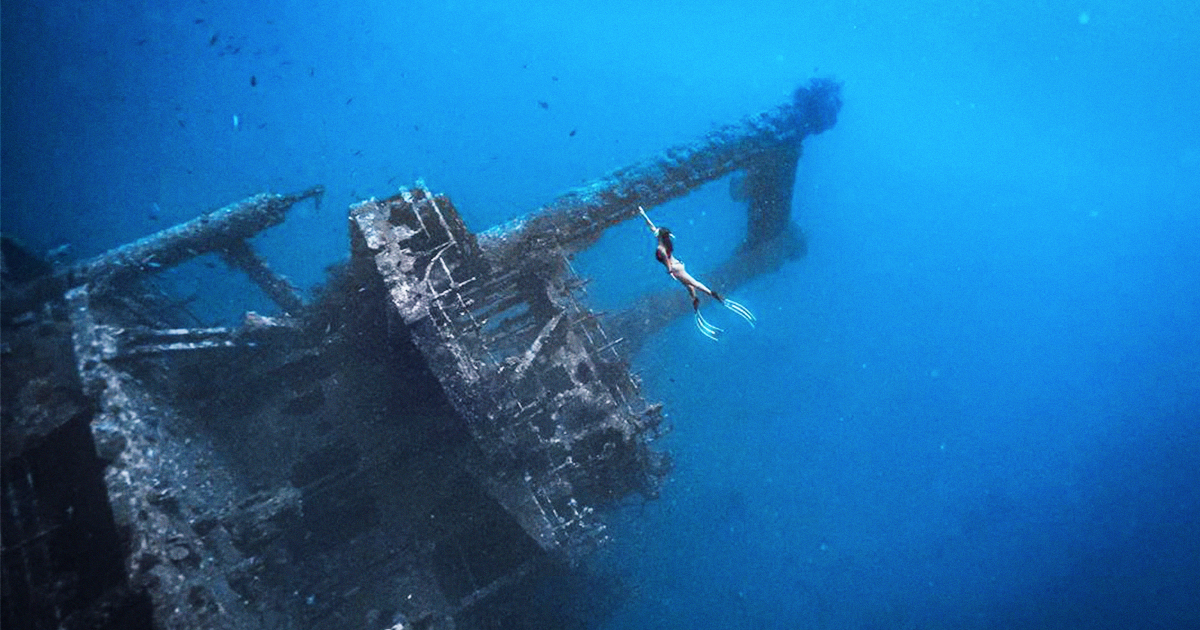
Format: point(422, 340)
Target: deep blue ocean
point(974, 404)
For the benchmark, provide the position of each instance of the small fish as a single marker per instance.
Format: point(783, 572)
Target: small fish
point(350, 100)
point(253, 80)
point(198, 21)
point(212, 41)
point(59, 252)
point(572, 134)
point(543, 104)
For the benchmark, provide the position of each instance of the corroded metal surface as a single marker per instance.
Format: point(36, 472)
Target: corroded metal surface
point(534, 374)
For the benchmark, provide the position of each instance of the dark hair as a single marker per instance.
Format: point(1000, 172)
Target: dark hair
point(664, 239)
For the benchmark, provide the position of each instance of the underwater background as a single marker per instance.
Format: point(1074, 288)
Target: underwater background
point(974, 404)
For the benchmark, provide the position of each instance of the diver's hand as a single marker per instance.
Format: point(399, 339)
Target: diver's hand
point(648, 221)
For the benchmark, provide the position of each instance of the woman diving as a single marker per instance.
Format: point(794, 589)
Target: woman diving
point(665, 253)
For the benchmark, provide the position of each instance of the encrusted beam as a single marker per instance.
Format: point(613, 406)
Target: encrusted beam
point(222, 231)
point(239, 254)
point(766, 146)
point(207, 233)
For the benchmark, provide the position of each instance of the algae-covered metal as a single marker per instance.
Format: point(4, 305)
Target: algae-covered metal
point(550, 402)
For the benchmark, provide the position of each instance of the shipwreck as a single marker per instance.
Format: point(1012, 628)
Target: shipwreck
point(433, 441)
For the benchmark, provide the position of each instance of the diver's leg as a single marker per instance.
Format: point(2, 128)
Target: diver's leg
point(706, 329)
point(713, 294)
point(693, 284)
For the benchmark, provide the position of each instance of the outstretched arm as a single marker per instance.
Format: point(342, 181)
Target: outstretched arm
point(648, 221)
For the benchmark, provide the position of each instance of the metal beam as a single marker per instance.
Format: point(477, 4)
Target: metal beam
point(764, 145)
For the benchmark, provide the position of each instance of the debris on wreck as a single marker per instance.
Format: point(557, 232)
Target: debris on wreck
point(442, 429)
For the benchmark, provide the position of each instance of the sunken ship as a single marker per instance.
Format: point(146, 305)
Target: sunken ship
point(431, 442)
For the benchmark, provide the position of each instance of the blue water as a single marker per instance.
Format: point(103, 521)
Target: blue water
point(974, 404)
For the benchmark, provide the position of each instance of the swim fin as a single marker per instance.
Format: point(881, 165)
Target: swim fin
point(740, 310)
point(706, 329)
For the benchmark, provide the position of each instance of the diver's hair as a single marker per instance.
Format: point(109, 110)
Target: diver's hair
point(664, 239)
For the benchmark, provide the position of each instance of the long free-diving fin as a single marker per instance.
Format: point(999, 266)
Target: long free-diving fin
point(740, 310)
point(706, 329)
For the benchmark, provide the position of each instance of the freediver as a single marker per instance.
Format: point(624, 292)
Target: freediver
point(665, 253)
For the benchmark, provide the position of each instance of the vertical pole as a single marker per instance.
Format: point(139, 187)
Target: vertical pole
point(769, 181)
